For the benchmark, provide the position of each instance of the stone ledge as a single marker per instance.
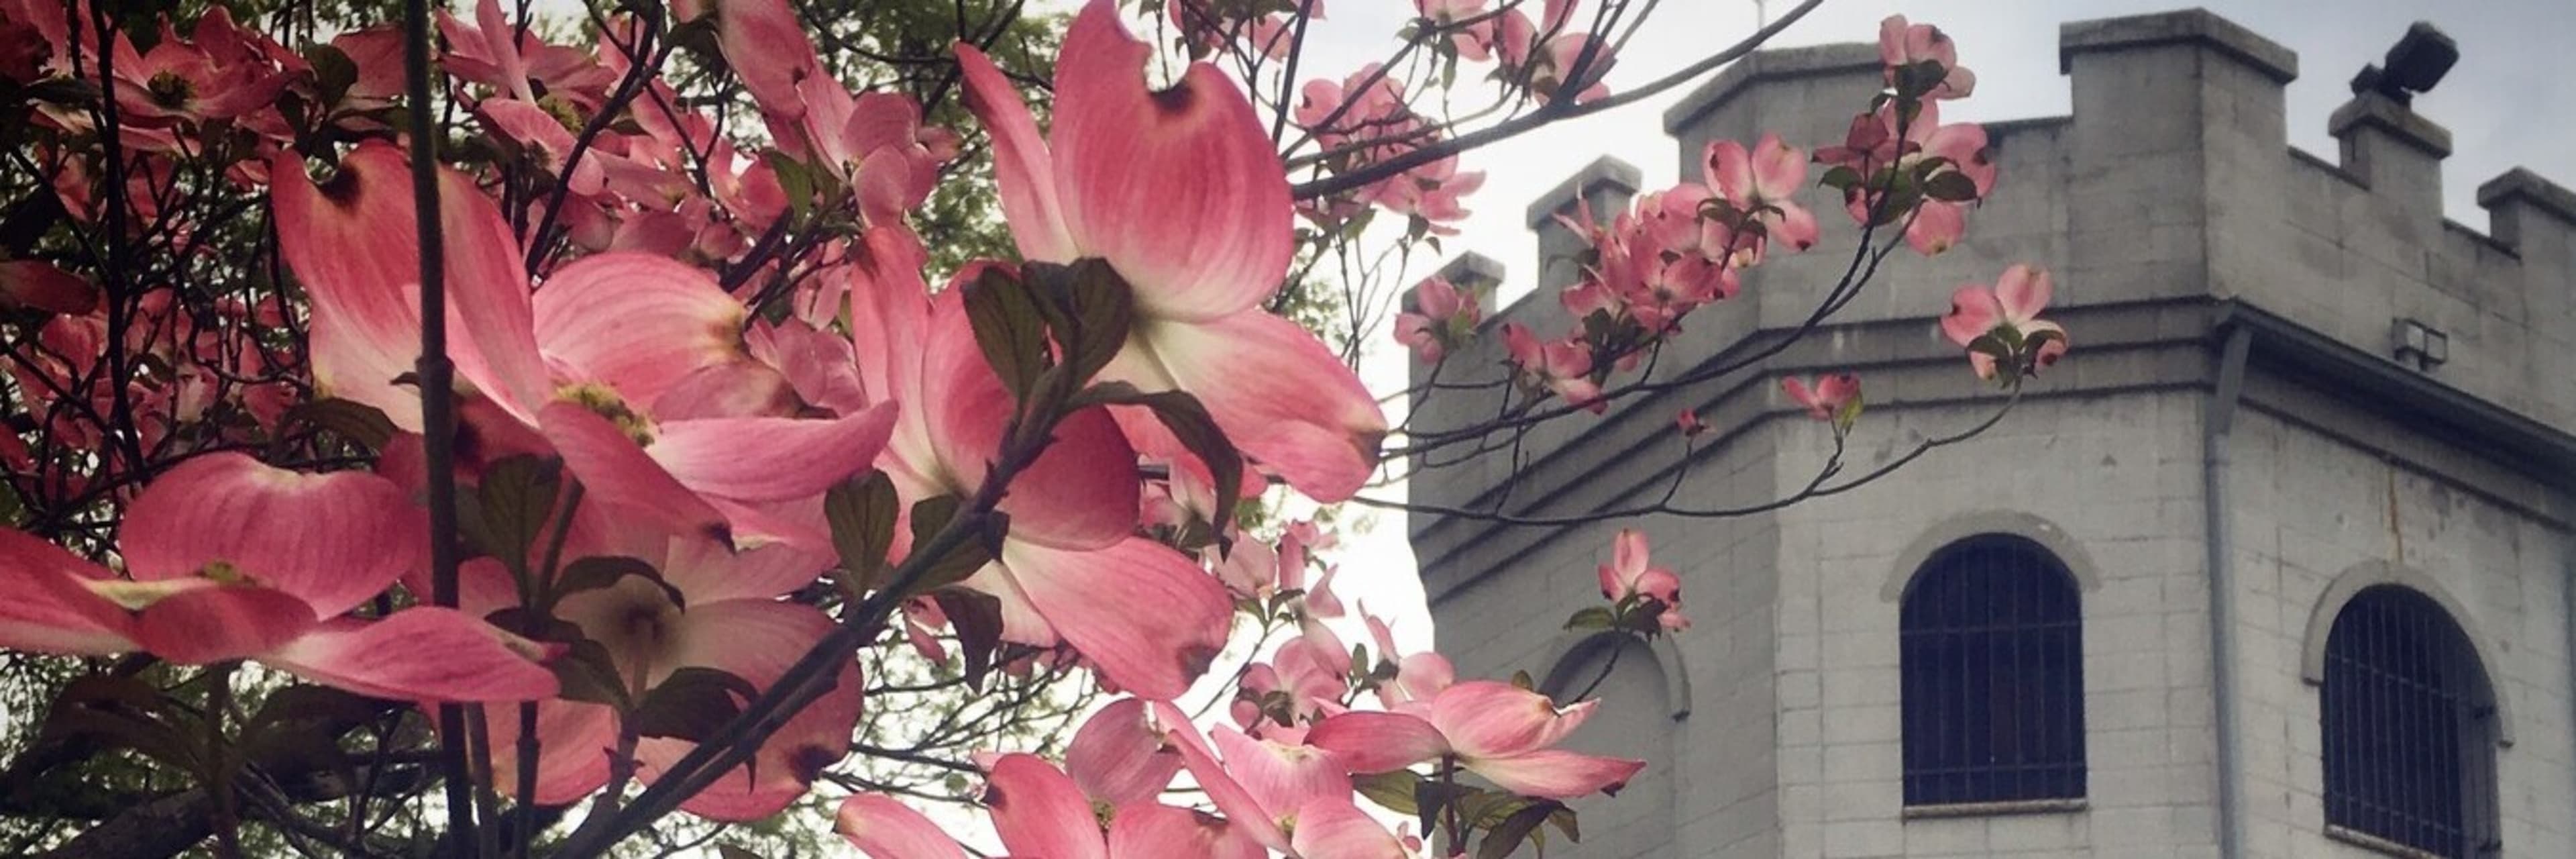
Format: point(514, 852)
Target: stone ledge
point(1471, 266)
point(1770, 65)
point(2187, 26)
point(2521, 184)
point(2379, 111)
point(1604, 170)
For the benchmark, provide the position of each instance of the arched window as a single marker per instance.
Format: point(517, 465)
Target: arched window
point(2409, 727)
point(1993, 669)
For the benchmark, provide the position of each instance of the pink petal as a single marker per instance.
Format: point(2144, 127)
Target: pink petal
point(352, 246)
point(1973, 312)
point(45, 608)
point(1023, 169)
point(1080, 494)
point(763, 43)
point(735, 389)
point(1180, 190)
point(1276, 391)
point(1155, 831)
point(1728, 169)
point(770, 459)
point(333, 541)
point(1118, 757)
point(1375, 742)
point(1038, 812)
point(638, 323)
point(883, 828)
point(491, 327)
point(1338, 829)
point(1937, 226)
point(212, 624)
point(618, 473)
point(757, 640)
point(1778, 169)
point(1281, 776)
point(38, 284)
point(708, 572)
point(1096, 600)
point(574, 742)
point(2023, 292)
point(1261, 824)
point(1555, 773)
point(1631, 553)
point(1487, 717)
point(418, 654)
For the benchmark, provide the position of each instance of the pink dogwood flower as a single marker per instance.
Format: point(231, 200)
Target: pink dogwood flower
point(1181, 192)
point(1563, 366)
point(1502, 732)
point(710, 607)
point(1826, 398)
point(228, 558)
point(1903, 43)
point(1071, 567)
point(1633, 573)
point(1874, 145)
point(1764, 184)
point(2001, 323)
point(1442, 317)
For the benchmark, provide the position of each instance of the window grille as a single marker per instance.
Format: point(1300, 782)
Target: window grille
point(2408, 727)
point(1992, 665)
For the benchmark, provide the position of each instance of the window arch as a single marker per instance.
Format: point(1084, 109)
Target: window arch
point(2409, 727)
point(1992, 665)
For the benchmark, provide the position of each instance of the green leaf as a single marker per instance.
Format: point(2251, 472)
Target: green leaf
point(605, 571)
point(1432, 796)
point(977, 620)
point(511, 508)
point(862, 512)
point(1009, 328)
point(1596, 617)
point(1950, 186)
point(692, 704)
point(1090, 309)
point(333, 72)
point(1841, 178)
point(1506, 836)
point(1848, 415)
point(586, 672)
point(1393, 791)
point(1190, 423)
point(928, 518)
point(795, 180)
point(355, 421)
point(1564, 821)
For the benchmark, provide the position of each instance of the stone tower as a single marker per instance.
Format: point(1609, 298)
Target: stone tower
point(2298, 396)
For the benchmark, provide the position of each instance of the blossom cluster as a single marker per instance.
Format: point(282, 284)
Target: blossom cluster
point(1679, 249)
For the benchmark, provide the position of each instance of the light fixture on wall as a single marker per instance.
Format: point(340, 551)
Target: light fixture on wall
point(2418, 345)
